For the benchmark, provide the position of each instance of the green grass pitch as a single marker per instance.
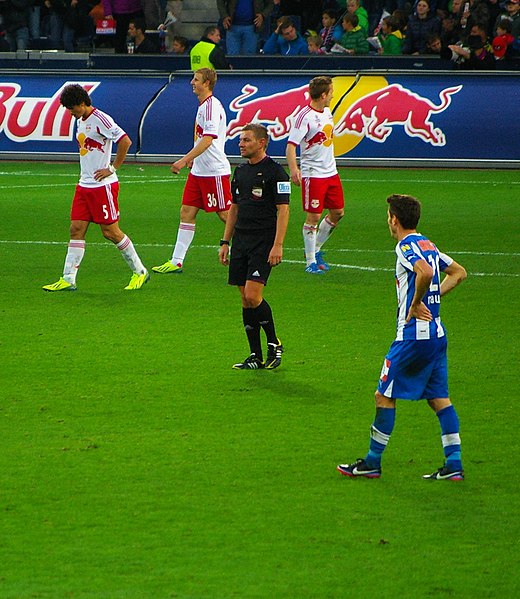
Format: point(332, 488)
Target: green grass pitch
point(136, 464)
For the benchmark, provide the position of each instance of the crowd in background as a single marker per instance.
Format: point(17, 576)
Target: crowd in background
point(469, 33)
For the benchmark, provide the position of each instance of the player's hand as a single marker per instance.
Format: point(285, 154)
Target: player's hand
point(101, 173)
point(421, 312)
point(176, 167)
point(296, 178)
point(223, 254)
point(275, 255)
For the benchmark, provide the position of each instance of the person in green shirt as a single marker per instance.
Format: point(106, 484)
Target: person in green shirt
point(354, 39)
point(354, 8)
point(390, 37)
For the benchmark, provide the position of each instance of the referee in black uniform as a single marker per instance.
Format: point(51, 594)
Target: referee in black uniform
point(257, 222)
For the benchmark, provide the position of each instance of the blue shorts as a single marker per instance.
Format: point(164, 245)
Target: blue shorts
point(415, 370)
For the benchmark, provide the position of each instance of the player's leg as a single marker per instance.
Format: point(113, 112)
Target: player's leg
point(450, 434)
point(334, 202)
point(313, 207)
point(81, 217)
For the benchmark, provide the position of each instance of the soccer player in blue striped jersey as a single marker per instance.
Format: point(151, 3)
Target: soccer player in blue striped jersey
point(415, 366)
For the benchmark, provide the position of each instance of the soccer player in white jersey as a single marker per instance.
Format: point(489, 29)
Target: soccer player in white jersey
point(96, 197)
point(415, 366)
point(208, 186)
point(312, 130)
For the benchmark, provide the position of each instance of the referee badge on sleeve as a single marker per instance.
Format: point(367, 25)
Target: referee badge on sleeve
point(283, 187)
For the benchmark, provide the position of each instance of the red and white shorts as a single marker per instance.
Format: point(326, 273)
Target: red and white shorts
point(320, 193)
point(96, 204)
point(212, 194)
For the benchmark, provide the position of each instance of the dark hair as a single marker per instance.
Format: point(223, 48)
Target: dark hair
point(330, 12)
point(319, 85)
point(209, 30)
point(182, 40)
point(505, 24)
point(258, 130)
point(351, 18)
point(406, 209)
point(392, 22)
point(139, 23)
point(74, 95)
point(286, 23)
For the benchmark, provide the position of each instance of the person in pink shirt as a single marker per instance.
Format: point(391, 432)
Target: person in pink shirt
point(123, 11)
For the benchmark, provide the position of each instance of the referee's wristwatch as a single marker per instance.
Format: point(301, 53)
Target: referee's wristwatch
point(223, 242)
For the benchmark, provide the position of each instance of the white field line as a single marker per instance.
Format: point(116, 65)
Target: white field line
point(335, 265)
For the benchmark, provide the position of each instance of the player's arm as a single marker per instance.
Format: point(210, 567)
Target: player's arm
point(197, 150)
point(282, 220)
point(223, 252)
point(423, 278)
point(292, 163)
point(455, 274)
point(123, 145)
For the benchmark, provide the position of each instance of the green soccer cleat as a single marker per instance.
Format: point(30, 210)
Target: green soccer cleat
point(61, 285)
point(137, 281)
point(168, 267)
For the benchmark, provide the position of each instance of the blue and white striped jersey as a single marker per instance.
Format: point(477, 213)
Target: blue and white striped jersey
point(410, 249)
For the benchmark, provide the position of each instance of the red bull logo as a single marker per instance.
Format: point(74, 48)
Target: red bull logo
point(87, 144)
point(35, 119)
point(274, 111)
point(374, 115)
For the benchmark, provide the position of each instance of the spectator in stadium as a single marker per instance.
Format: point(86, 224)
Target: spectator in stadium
point(96, 196)
point(494, 11)
point(317, 176)
point(122, 11)
point(354, 39)
point(512, 13)
point(179, 45)
point(415, 367)
point(421, 24)
point(285, 40)
point(242, 20)
point(207, 53)
point(332, 31)
point(451, 28)
point(390, 37)
point(16, 23)
point(314, 44)
point(137, 36)
point(256, 225)
point(503, 39)
point(475, 56)
point(208, 185)
point(433, 44)
point(354, 8)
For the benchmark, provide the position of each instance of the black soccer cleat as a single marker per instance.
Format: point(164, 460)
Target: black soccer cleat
point(359, 469)
point(250, 363)
point(274, 355)
point(445, 474)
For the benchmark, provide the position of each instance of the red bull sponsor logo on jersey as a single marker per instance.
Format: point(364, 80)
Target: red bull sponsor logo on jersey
point(35, 118)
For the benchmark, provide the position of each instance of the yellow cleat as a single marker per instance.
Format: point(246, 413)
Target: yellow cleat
point(61, 285)
point(137, 281)
point(168, 267)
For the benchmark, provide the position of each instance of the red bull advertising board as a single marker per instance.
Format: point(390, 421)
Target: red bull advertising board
point(435, 118)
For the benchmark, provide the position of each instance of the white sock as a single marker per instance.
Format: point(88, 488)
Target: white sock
point(75, 253)
point(126, 247)
point(185, 236)
point(326, 228)
point(309, 242)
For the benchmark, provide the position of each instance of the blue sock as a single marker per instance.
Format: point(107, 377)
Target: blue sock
point(380, 433)
point(449, 422)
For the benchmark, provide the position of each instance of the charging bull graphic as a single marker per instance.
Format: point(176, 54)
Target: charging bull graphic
point(375, 114)
point(274, 111)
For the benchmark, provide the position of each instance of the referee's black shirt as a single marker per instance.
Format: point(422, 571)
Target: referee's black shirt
point(258, 189)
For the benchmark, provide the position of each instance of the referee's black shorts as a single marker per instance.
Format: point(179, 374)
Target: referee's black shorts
point(249, 256)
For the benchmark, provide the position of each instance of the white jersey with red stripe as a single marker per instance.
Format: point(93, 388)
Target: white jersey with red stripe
point(312, 130)
point(211, 120)
point(95, 135)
